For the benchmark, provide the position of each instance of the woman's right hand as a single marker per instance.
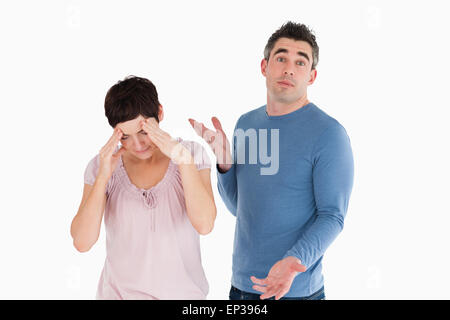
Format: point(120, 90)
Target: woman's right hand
point(109, 159)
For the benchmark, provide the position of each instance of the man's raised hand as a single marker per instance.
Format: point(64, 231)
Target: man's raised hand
point(217, 141)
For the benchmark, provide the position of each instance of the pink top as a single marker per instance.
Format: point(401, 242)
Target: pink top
point(152, 249)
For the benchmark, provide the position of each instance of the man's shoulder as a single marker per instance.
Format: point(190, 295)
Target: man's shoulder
point(252, 113)
point(322, 120)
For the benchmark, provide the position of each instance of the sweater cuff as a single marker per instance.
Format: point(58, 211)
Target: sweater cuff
point(224, 174)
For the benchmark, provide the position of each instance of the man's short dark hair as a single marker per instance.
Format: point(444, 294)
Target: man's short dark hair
point(129, 98)
point(294, 31)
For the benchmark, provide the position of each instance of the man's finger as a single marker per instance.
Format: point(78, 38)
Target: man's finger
point(271, 291)
point(216, 123)
point(268, 294)
point(260, 288)
point(208, 135)
point(192, 122)
point(203, 131)
point(198, 127)
point(258, 281)
point(282, 292)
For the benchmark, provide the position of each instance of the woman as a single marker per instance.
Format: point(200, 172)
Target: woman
point(156, 195)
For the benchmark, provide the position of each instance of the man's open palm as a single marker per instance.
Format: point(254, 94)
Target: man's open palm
point(279, 280)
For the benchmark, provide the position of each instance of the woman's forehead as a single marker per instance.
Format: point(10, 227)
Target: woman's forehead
point(131, 126)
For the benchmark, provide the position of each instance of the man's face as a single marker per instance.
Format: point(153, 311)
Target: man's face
point(288, 72)
point(135, 139)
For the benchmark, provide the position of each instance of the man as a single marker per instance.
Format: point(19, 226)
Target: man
point(289, 212)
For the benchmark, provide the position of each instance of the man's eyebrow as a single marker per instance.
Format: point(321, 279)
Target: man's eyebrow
point(301, 53)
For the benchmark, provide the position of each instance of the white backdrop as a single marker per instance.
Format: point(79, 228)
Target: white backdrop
point(383, 73)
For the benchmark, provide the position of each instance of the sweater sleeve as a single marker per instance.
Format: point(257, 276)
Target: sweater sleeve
point(332, 182)
point(227, 183)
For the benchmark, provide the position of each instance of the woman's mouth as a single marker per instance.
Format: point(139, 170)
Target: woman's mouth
point(148, 148)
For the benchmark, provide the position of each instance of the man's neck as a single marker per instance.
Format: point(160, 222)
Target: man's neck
point(278, 108)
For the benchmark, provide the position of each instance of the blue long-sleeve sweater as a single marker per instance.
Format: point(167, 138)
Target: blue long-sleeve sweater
point(289, 188)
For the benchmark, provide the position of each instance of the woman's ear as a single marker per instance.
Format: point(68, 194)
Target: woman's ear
point(160, 113)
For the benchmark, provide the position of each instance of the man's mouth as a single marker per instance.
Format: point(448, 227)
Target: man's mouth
point(285, 83)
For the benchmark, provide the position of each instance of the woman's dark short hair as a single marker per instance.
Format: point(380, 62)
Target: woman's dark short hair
point(129, 98)
point(294, 31)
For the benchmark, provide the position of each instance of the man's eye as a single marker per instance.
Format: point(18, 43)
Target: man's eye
point(301, 63)
point(279, 59)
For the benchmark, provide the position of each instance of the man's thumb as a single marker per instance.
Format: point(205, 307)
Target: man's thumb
point(299, 267)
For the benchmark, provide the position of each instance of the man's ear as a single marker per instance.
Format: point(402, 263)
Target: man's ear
point(263, 66)
point(312, 76)
point(160, 113)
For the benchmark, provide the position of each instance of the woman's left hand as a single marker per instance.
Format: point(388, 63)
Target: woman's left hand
point(169, 146)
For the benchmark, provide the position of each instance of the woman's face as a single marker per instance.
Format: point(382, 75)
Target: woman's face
point(135, 140)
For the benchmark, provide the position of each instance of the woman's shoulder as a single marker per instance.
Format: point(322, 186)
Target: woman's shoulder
point(198, 152)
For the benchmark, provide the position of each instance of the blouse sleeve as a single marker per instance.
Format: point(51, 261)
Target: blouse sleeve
point(199, 153)
point(91, 171)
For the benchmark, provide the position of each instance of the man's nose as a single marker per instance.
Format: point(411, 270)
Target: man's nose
point(289, 70)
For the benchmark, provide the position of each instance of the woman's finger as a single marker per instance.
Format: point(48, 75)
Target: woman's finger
point(119, 152)
point(111, 146)
point(151, 122)
point(152, 129)
point(111, 139)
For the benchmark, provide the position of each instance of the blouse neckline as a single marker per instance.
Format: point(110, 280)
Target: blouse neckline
point(154, 188)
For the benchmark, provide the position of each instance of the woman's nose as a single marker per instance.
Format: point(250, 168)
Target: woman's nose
point(138, 144)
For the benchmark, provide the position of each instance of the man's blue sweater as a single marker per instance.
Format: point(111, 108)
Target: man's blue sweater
point(289, 188)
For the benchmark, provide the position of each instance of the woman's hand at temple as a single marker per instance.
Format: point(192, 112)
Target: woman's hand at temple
point(108, 159)
point(168, 146)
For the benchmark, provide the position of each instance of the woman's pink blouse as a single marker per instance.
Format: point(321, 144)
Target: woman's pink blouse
point(152, 249)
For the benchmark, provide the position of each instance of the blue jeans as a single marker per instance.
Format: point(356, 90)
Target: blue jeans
point(236, 294)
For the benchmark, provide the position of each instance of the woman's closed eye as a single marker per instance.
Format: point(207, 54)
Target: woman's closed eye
point(141, 132)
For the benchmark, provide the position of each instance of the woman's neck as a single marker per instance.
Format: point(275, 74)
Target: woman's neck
point(155, 159)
